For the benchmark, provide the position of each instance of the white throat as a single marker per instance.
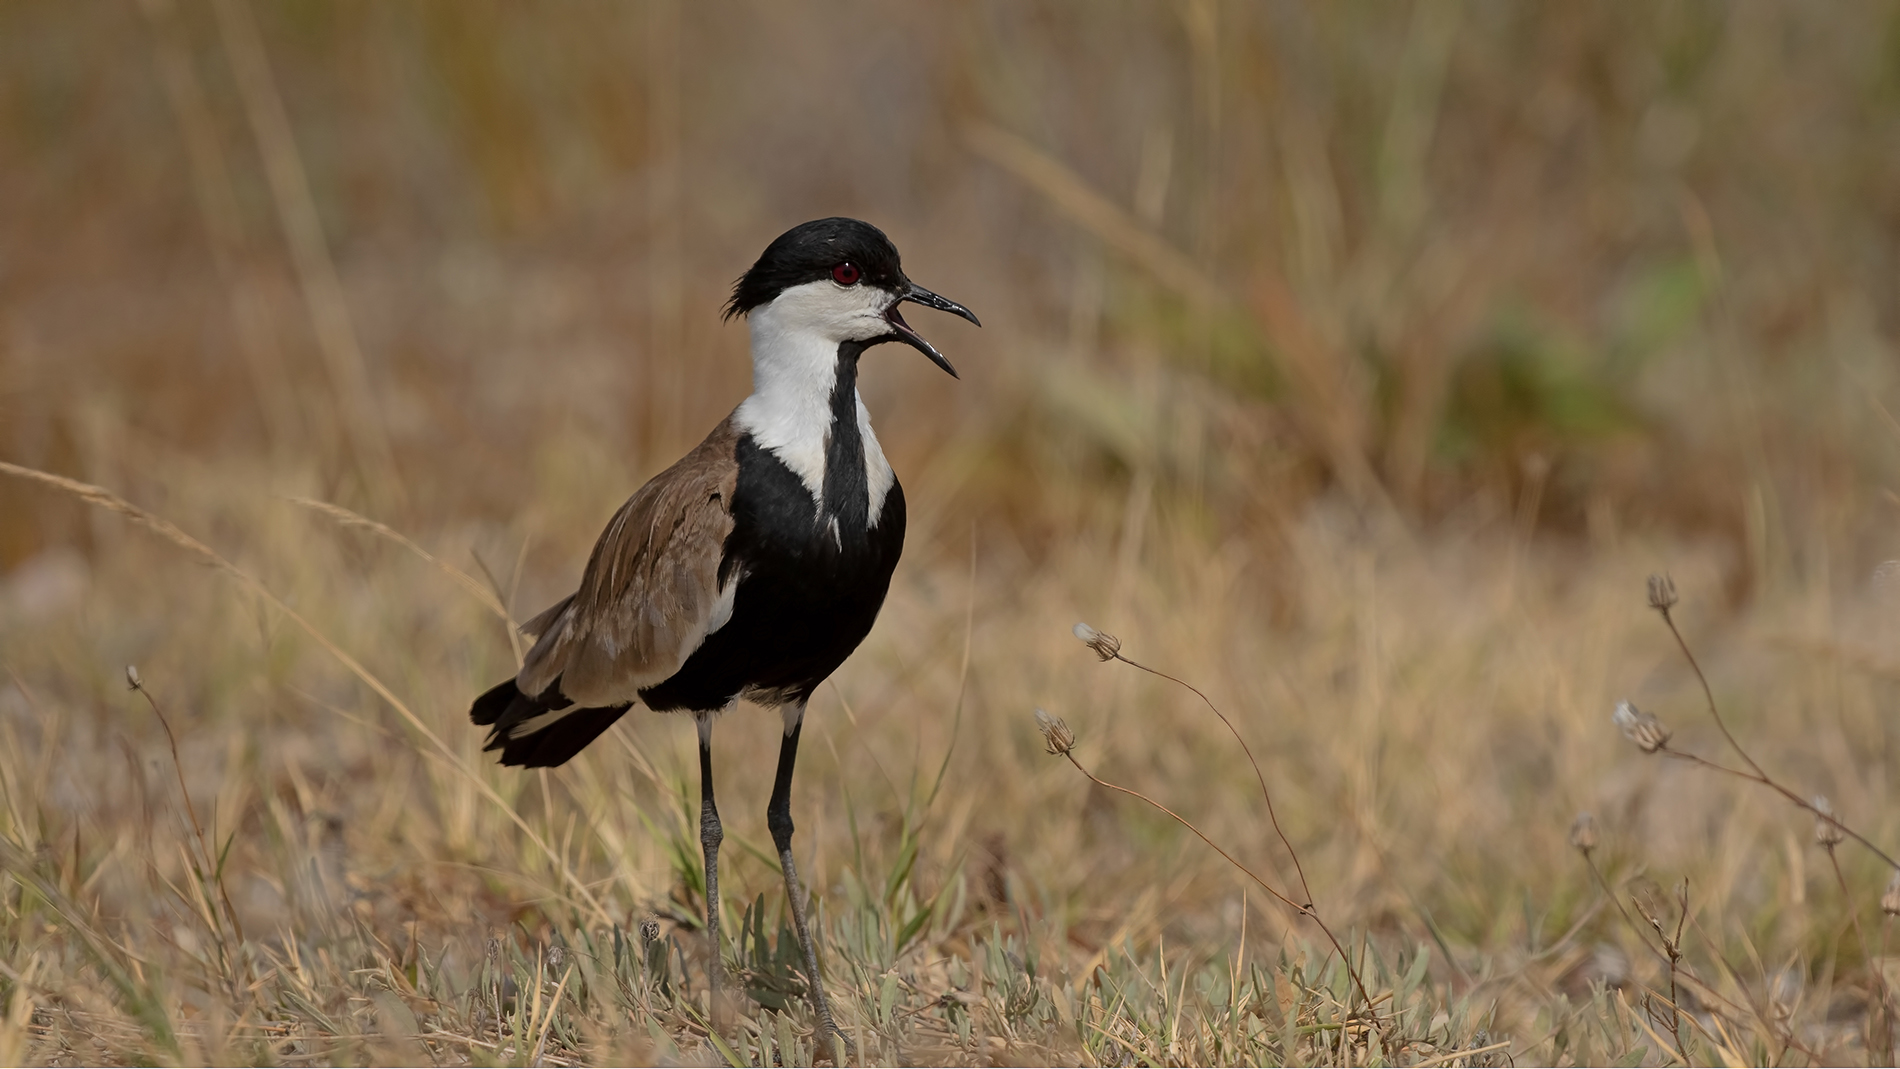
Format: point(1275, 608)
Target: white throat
point(795, 343)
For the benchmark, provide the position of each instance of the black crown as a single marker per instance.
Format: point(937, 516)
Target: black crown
point(808, 252)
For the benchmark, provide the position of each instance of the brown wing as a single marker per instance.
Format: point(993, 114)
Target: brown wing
point(651, 591)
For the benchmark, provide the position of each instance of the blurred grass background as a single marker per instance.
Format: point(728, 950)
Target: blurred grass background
point(1355, 362)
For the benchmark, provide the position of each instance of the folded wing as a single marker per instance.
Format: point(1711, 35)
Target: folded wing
point(652, 590)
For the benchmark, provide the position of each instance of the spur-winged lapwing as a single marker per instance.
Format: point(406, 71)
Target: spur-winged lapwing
point(753, 566)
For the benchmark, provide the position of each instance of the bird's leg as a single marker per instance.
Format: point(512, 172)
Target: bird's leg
point(710, 835)
point(778, 817)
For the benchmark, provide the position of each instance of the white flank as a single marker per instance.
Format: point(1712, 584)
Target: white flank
point(877, 471)
point(721, 610)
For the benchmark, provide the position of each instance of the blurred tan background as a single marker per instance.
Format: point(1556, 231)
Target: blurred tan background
point(1630, 263)
point(1356, 360)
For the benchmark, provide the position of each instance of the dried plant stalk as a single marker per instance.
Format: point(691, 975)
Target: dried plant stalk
point(1061, 742)
point(106, 499)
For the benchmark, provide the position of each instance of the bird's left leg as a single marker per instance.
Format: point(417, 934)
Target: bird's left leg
point(710, 835)
point(778, 817)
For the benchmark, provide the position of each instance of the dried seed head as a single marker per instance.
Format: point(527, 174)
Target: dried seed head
point(1890, 901)
point(1827, 831)
point(1583, 832)
point(1662, 593)
point(1055, 734)
point(1647, 732)
point(557, 958)
point(649, 932)
point(132, 679)
point(1106, 646)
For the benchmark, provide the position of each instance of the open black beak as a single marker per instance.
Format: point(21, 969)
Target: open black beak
point(929, 300)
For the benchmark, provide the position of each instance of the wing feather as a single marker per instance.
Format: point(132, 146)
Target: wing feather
point(651, 592)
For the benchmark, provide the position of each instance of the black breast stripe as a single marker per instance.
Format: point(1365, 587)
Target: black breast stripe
point(847, 487)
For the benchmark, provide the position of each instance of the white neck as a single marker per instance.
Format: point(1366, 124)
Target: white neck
point(794, 369)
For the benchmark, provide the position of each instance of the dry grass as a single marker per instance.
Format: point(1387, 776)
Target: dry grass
point(1353, 368)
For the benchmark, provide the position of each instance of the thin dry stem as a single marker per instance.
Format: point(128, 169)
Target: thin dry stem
point(1098, 214)
point(221, 214)
point(207, 857)
point(1674, 946)
point(1642, 937)
point(355, 519)
point(547, 1026)
point(1305, 911)
point(1266, 795)
point(1762, 1017)
point(1610, 893)
point(1695, 759)
point(106, 499)
point(322, 288)
point(1755, 772)
point(1708, 694)
point(1879, 982)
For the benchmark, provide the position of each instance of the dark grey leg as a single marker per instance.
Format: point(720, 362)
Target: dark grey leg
point(778, 817)
point(710, 835)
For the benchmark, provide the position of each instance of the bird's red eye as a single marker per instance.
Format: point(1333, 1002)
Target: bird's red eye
point(845, 274)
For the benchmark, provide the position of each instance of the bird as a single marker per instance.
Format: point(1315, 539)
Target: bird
point(753, 566)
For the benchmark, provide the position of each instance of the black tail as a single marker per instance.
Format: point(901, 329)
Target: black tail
point(492, 706)
point(509, 711)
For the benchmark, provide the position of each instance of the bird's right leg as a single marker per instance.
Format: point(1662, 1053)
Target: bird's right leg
point(778, 817)
point(710, 835)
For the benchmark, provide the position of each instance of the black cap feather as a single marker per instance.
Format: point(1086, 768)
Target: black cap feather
point(808, 252)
